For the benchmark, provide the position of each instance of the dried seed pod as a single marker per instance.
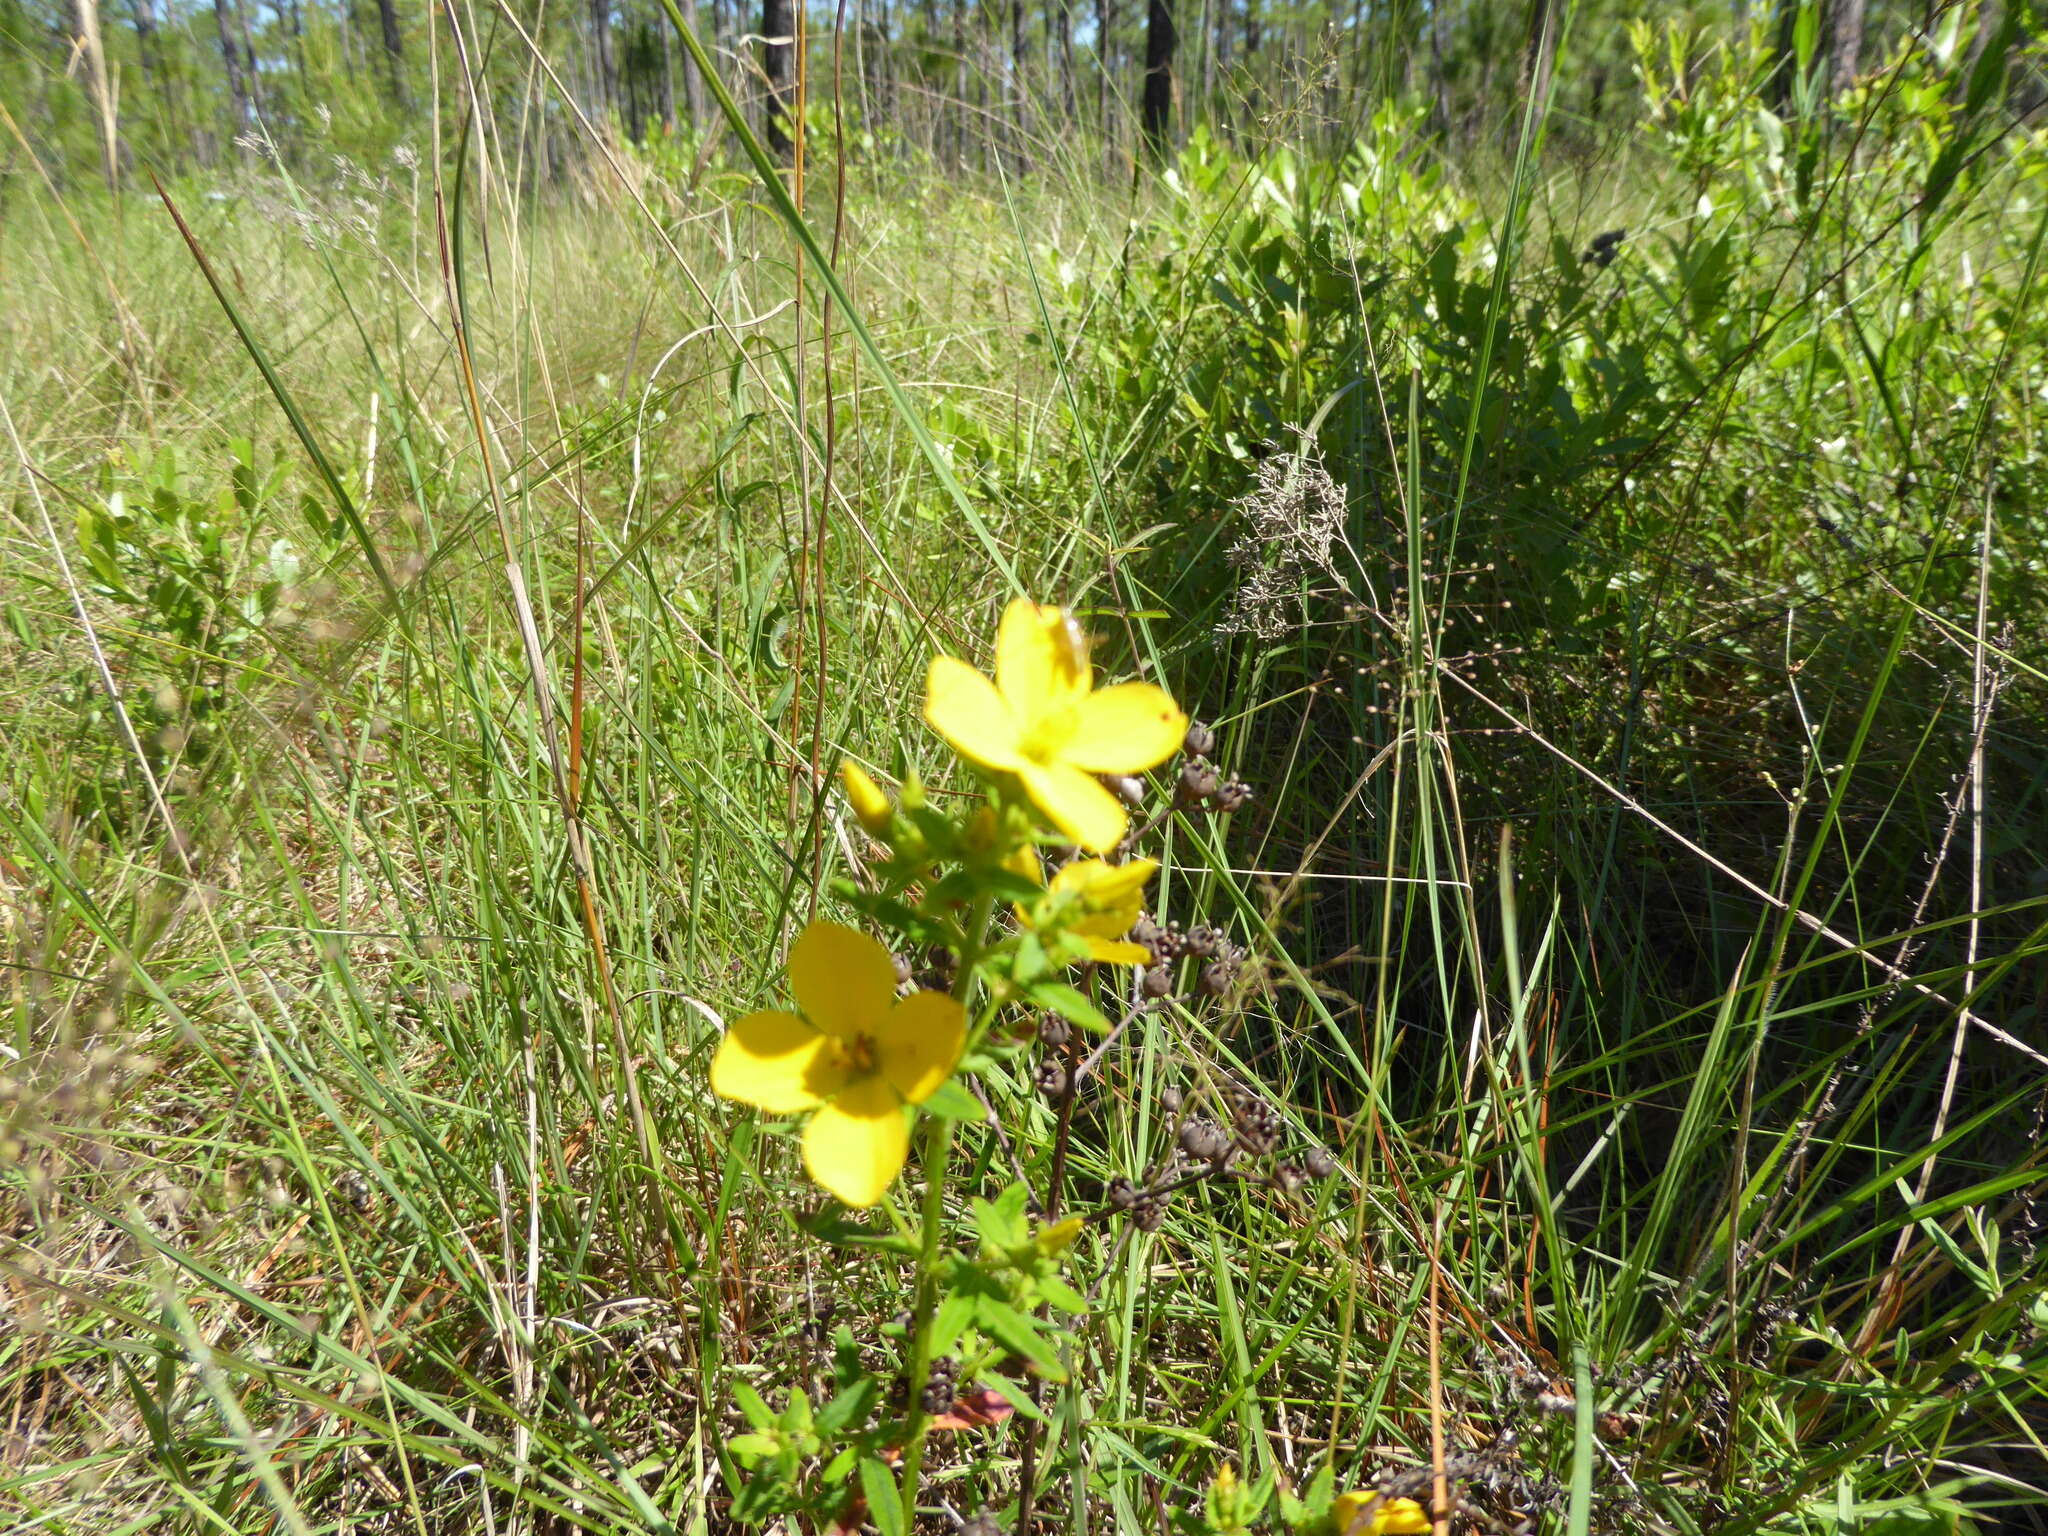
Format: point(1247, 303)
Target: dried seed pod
point(1149, 1214)
point(1198, 784)
point(1158, 982)
point(1200, 740)
point(1053, 1079)
point(1289, 1177)
point(1054, 1032)
point(1319, 1162)
point(1169, 1099)
point(1259, 1128)
point(1204, 1140)
point(1146, 931)
point(1120, 1194)
point(1216, 977)
point(941, 1385)
point(1205, 941)
point(1233, 795)
point(1127, 787)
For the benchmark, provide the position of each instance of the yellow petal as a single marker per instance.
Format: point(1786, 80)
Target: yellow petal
point(964, 707)
point(1116, 951)
point(866, 797)
point(1125, 729)
point(1076, 804)
point(919, 1043)
point(1041, 658)
point(854, 1147)
point(1389, 1517)
point(774, 1061)
point(1105, 886)
point(844, 981)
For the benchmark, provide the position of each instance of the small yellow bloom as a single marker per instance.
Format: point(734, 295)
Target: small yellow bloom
point(1044, 720)
point(1389, 1517)
point(1101, 903)
point(869, 804)
point(856, 1056)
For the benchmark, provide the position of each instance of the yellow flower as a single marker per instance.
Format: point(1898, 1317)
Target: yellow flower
point(856, 1056)
point(1101, 903)
point(1044, 720)
point(1389, 1517)
point(869, 804)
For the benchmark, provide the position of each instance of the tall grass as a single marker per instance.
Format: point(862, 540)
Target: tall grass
point(1662, 966)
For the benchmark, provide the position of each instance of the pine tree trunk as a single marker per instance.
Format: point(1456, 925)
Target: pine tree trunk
point(394, 47)
point(607, 81)
point(1539, 52)
point(778, 62)
point(1845, 53)
point(1156, 111)
point(238, 89)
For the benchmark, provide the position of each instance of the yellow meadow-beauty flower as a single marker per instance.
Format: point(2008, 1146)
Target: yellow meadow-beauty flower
point(1044, 720)
point(1101, 901)
point(871, 806)
point(1389, 1517)
point(854, 1055)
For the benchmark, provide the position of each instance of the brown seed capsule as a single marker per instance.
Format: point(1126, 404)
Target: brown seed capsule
point(1320, 1162)
point(1128, 788)
point(1198, 783)
point(1158, 982)
point(1200, 740)
point(1052, 1078)
point(1233, 796)
point(1203, 1139)
point(1149, 1214)
point(1169, 1099)
point(1120, 1193)
point(1217, 976)
point(1054, 1032)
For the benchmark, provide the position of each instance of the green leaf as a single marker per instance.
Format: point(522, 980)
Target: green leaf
point(1056, 1292)
point(758, 1413)
point(751, 1449)
point(1068, 1004)
point(1018, 1334)
point(885, 1500)
point(953, 1102)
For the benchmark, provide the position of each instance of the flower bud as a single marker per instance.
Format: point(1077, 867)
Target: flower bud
point(866, 798)
point(1127, 787)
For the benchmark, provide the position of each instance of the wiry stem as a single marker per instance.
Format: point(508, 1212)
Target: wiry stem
point(938, 1152)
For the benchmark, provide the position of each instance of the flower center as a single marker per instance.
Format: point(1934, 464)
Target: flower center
point(1048, 732)
point(856, 1053)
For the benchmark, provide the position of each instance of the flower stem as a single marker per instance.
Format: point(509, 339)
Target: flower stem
point(938, 1152)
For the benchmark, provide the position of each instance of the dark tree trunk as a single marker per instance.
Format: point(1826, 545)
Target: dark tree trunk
point(601, 55)
point(1845, 41)
point(144, 12)
point(778, 62)
point(958, 114)
point(231, 55)
point(1063, 45)
point(1785, 69)
point(1156, 111)
point(1539, 51)
point(394, 46)
point(693, 83)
